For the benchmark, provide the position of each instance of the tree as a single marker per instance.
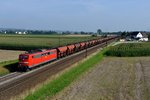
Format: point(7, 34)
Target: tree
point(99, 31)
point(149, 36)
point(123, 34)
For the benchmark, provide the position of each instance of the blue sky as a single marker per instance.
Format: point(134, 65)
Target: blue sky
point(76, 15)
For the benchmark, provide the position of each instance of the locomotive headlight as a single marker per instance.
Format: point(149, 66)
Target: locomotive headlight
point(25, 62)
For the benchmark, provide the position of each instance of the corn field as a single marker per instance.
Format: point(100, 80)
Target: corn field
point(129, 50)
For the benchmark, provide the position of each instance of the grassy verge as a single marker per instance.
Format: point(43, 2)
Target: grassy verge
point(7, 67)
point(65, 79)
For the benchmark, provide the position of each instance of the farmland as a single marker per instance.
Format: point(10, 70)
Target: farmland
point(28, 42)
point(129, 50)
point(7, 55)
point(114, 78)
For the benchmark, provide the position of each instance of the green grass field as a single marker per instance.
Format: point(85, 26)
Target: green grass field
point(130, 50)
point(28, 42)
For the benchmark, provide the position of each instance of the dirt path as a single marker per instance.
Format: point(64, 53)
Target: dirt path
point(112, 79)
point(6, 55)
point(138, 80)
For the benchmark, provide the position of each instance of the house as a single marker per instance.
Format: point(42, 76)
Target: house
point(141, 36)
point(122, 40)
point(21, 33)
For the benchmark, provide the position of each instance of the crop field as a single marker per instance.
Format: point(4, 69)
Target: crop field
point(8, 55)
point(129, 50)
point(28, 42)
point(114, 78)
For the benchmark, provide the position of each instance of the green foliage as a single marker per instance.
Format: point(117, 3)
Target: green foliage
point(8, 62)
point(123, 35)
point(28, 42)
point(99, 31)
point(149, 36)
point(129, 50)
point(64, 80)
point(94, 35)
point(8, 66)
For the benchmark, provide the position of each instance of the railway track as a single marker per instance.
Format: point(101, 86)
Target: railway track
point(9, 76)
point(30, 79)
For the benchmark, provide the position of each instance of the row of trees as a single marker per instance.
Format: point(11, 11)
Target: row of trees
point(41, 32)
point(26, 32)
point(99, 32)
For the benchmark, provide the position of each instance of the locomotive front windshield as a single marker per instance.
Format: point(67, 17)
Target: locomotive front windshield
point(23, 57)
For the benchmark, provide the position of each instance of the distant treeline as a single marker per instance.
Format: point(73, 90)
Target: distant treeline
point(41, 32)
point(27, 32)
point(34, 32)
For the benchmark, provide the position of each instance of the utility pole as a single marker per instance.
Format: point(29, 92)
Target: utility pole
point(59, 40)
point(86, 51)
point(86, 48)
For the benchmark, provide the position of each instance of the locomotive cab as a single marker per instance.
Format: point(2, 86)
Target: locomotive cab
point(23, 58)
point(23, 62)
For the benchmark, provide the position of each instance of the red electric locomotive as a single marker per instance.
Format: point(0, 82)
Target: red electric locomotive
point(33, 58)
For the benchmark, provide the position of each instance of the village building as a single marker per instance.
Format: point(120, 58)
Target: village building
point(140, 36)
point(21, 33)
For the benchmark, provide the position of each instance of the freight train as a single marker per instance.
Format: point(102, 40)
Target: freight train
point(33, 58)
